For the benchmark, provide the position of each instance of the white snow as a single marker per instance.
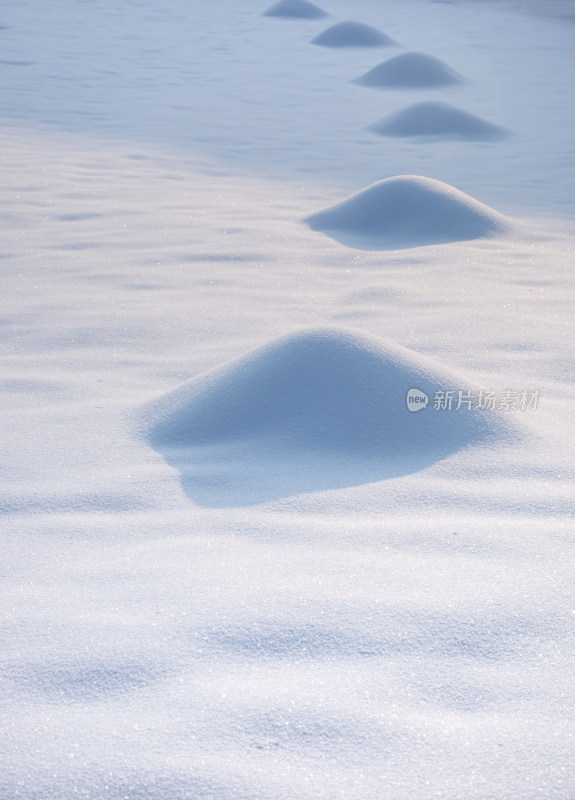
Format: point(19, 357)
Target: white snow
point(236, 563)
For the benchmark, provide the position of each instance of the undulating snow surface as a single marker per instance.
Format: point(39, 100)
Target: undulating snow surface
point(286, 407)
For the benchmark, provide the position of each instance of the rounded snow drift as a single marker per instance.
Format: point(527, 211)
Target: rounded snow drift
point(315, 410)
point(439, 120)
point(408, 211)
point(410, 71)
point(296, 9)
point(352, 34)
point(320, 389)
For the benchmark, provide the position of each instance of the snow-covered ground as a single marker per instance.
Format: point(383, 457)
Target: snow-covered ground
point(236, 563)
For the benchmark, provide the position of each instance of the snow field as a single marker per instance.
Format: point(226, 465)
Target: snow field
point(215, 584)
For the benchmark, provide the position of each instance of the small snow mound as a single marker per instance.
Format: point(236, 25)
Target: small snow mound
point(410, 71)
point(352, 34)
point(296, 9)
point(408, 211)
point(439, 120)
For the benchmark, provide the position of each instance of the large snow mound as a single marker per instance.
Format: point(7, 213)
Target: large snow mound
point(297, 9)
point(408, 211)
point(440, 120)
point(410, 71)
point(352, 34)
point(326, 389)
point(317, 410)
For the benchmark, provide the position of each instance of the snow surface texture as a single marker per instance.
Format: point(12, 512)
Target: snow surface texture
point(326, 407)
point(408, 211)
point(243, 616)
point(410, 71)
point(352, 34)
point(438, 120)
point(553, 8)
point(295, 9)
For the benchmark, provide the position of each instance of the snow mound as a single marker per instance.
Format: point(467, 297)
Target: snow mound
point(410, 71)
point(408, 211)
point(315, 409)
point(440, 120)
point(352, 34)
point(297, 9)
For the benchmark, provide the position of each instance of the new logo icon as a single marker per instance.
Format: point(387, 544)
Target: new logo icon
point(416, 400)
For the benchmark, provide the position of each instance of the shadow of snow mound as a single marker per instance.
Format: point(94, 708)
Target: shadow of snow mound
point(407, 211)
point(410, 71)
point(80, 681)
point(296, 9)
point(352, 34)
point(319, 409)
point(439, 120)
